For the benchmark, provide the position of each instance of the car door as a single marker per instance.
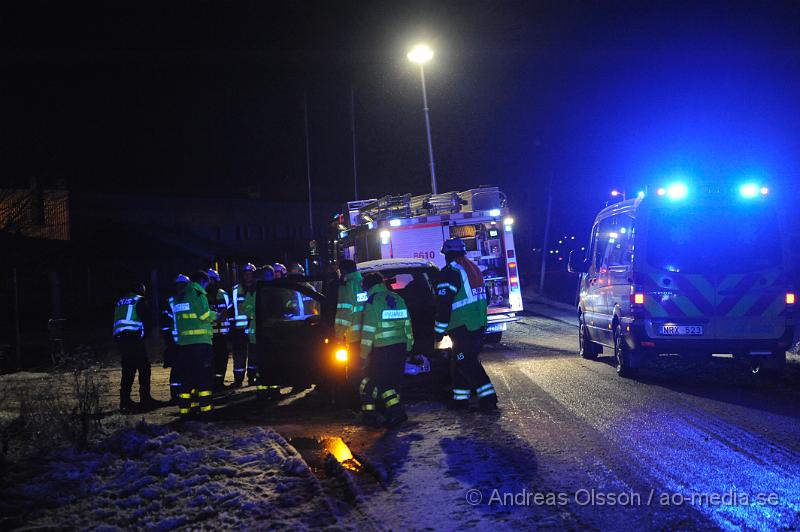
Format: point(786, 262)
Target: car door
point(590, 293)
point(620, 265)
point(291, 332)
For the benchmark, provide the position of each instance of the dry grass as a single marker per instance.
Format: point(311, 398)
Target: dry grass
point(52, 411)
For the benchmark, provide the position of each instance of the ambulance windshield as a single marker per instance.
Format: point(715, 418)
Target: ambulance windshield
point(704, 239)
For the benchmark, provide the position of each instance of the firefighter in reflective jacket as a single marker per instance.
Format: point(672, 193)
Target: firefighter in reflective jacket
point(461, 313)
point(194, 321)
point(130, 314)
point(219, 302)
point(169, 335)
point(349, 307)
point(237, 319)
point(385, 341)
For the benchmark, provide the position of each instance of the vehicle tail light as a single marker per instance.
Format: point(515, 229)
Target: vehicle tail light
point(637, 297)
point(790, 298)
point(341, 355)
point(512, 276)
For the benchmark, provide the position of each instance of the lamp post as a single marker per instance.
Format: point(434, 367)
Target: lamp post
point(420, 55)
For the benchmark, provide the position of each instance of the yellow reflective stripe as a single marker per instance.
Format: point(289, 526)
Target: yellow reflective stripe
point(193, 332)
point(206, 408)
point(388, 393)
point(195, 405)
point(204, 393)
point(185, 395)
point(391, 402)
point(368, 328)
point(205, 315)
point(389, 334)
point(363, 385)
point(344, 305)
point(183, 410)
point(367, 407)
point(366, 342)
point(187, 315)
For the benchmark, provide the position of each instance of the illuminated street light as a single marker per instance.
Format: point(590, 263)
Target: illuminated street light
point(420, 55)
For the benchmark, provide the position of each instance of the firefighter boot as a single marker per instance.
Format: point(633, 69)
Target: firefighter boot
point(126, 406)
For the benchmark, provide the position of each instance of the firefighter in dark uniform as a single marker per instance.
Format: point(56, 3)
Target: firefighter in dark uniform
point(194, 320)
point(461, 313)
point(265, 389)
point(219, 302)
point(131, 316)
point(386, 339)
point(237, 318)
point(169, 335)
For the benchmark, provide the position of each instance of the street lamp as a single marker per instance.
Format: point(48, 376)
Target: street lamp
point(420, 55)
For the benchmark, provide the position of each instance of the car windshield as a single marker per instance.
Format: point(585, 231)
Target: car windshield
point(703, 239)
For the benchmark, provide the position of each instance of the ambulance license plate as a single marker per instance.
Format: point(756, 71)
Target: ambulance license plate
point(681, 330)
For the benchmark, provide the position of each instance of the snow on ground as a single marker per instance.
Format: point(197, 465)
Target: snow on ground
point(157, 477)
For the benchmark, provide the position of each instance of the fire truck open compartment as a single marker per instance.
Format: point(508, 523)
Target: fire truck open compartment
point(408, 226)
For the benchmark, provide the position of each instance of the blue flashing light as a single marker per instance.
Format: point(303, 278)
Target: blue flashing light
point(640, 194)
point(677, 191)
point(749, 190)
point(494, 212)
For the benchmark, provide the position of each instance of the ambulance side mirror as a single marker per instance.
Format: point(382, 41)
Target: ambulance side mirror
point(577, 264)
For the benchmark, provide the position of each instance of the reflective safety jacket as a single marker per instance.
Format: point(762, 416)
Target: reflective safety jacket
point(193, 317)
point(168, 328)
point(219, 304)
point(349, 306)
point(457, 303)
point(249, 309)
point(386, 321)
point(126, 318)
point(237, 318)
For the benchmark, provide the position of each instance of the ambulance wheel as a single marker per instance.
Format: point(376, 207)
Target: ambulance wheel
point(622, 354)
point(492, 338)
point(586, 348)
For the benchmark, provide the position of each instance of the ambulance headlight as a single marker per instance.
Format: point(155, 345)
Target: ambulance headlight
point(341, 355)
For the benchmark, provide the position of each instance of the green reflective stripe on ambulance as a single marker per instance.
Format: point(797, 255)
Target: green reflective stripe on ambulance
point(729, 282)
point(687, 307)
point(751, 296)
point(776, 307)
point(652, 306)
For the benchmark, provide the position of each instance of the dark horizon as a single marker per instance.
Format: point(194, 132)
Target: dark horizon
point(205, 99)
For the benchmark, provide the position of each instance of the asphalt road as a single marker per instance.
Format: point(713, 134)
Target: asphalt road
point(686, 445)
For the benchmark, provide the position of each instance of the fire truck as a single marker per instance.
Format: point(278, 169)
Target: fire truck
point(407, 226)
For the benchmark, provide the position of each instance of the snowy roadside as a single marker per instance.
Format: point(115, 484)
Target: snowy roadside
point(151, 476)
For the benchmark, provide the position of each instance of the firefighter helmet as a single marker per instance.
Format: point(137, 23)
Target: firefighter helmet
point(454, 245)
point(181, 278)
point(296, 269)
point(267, 272)
point(213, 274)
point(249, 267)
point(280, 269)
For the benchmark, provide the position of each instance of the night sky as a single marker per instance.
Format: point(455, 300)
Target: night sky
point(207, 98)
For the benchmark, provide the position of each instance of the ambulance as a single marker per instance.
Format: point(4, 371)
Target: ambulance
point(689, 271)
point(415, 227)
